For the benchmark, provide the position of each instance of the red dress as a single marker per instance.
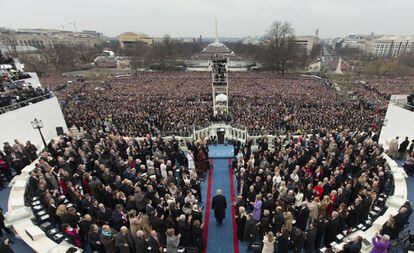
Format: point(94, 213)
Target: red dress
point(202, 161)
point(329, 210)
point(318, 191)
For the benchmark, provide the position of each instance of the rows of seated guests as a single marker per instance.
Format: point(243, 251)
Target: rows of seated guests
point(9, 73)
point(15, 96)
point(13, 88)
point(13, 158)
point(172, 102)
point(305, 191)
point(116, 194)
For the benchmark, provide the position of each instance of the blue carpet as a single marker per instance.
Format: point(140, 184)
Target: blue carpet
point(18, 246)
point(221, 151)
point(220, 239)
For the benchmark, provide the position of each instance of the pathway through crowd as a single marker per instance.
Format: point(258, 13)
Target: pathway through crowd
point(223, 238)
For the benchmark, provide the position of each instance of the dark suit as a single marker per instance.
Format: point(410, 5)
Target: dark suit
point(121, 241)
point(354, 247)
point(310, 241)
point(154, 245)
point(184, 229)
point(104, 217)
point(141, 245)
point(283, 242)
point(118, 220)
point(219, 206)
point(250, 233)
point(197, 238)
point(331, 231)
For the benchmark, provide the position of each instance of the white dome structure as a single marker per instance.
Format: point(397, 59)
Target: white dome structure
point(217, 48)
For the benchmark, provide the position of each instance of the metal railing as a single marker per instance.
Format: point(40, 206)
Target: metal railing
point(26, 102)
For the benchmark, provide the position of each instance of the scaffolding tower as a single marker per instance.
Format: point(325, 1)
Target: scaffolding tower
point(220, 85)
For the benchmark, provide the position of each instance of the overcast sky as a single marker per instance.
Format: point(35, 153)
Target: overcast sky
point(236, 18)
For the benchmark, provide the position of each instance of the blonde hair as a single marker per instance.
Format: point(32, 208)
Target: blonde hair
point(61, 210)
point(170, 232)
point(270, 236)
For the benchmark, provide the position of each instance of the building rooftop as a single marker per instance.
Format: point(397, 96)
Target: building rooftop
point(217, 48)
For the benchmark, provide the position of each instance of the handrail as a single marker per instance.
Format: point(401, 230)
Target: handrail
point(18, 105)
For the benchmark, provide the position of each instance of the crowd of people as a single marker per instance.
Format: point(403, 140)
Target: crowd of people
point(302, 193)
point(387, 87)
point(173, 103)
point(132, 196)
point(13, 97)
point(112, 193)
point(109, 192)
point(14, 91)
point(13, 158)
point(168, 103)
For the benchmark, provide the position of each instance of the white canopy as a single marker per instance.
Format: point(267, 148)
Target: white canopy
point(221, 98)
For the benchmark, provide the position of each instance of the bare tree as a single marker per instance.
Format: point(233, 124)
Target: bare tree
point(278, 42)
point(138, 56)
point(164, 53)
point(61, 56)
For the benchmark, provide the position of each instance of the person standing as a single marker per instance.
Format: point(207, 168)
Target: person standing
point(172, 241)
point(298, 240)
point(268, 243)
point(219, 206)
point(380, 243)
point(108, 239)
point(283, 241)
point(197, 235)
point(310, 239)
point(154, 245)
point(141, 245)
point(403, 147)
point(257, 208)
point(190, 160)
point(184, 229)
point(331, 229)
point(241, 222)
point(123, 241)
point(249, 231)
point(355, 245)
point(411, 148)
point(393, 148)
point(202, 162)
point(5, 247)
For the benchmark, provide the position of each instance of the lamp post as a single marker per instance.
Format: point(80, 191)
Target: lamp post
point(38, 124)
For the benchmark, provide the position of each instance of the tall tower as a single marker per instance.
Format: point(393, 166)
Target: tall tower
point(220, 85)
point(216, 32)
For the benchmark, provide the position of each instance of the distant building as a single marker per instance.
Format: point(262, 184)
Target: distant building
point(305, 43)
point(359, 42)
point(44, 38)
point(392, 46)
point(249, 40)
point(128, 39)
point(380, 46)
point(203, 60)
